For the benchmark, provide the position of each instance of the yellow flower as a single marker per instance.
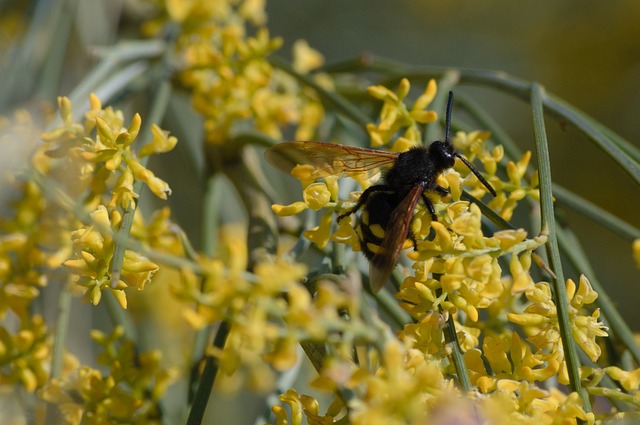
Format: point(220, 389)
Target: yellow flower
point(94, 249)
point(287, 210)
point(159, 187)
point(95, 157)
point(395, 117)
point(316, 196)
point(311, 117)
point(137, 270)
point(630, 380)
point(320, 234)
point(540, 318)
point(346, 234)
point(305, 58)
point(277, 277)
point(160, 143)
point(26, 353)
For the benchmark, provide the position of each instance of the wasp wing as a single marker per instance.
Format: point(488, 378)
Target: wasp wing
point(382, 264)
point(328, 159)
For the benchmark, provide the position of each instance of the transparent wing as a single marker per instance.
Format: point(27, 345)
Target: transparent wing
point(328, 159)
point(382, 264)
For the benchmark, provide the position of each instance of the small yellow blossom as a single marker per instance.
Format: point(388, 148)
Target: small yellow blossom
point(630, 380)
point(160, 143)
point(346, 234)
point(287, 210)
point(311, 117)
point(316, 196)
point(516, 171)
point(94, 248)
point(320, 234)
point(305, 58)
point(397, 119)
point(540, 317)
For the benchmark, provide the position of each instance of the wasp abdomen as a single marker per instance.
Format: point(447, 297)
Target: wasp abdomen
point(374, 221)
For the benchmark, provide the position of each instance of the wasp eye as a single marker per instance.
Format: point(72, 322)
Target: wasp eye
point(443, 153)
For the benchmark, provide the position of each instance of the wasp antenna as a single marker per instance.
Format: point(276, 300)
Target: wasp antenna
point(447, 121)
point(477, 174)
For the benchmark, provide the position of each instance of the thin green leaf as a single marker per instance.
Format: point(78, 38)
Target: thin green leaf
point(607, 220)
point(549, 226)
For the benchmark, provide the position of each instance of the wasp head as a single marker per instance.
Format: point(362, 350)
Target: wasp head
point(442, 154)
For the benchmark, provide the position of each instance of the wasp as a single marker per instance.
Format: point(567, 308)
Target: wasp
point(387, 207)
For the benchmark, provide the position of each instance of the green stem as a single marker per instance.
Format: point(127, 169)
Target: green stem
point(210, 228)
point(389, 304)
point(56, 59)
point(457, 357)
point(246, 176)
point(62, 329)
point(615, 394)
point(18, 78)
point(201, 398)
point(158, 110)
point(549, 226)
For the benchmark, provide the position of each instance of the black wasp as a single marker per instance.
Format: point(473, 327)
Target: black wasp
point(388, 206)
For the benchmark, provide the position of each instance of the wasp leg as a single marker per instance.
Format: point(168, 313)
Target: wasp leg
point(429, 205)
point(413, 239)
point(363, 199)
point(441, 190)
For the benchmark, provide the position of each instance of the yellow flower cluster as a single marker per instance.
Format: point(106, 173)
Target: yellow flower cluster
point(226, 71)
point(409, 388)
point(270, 311)
point(94, 249)
point(77, 218)
point(98, 162)
point(520, 185)
point(128, 394)
point(541, 323)
point(100, 148)
point(91, 161)
point(25, 355)
point(466, 263)
point(32, 244)
point(396, 117)
point(461, 272)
